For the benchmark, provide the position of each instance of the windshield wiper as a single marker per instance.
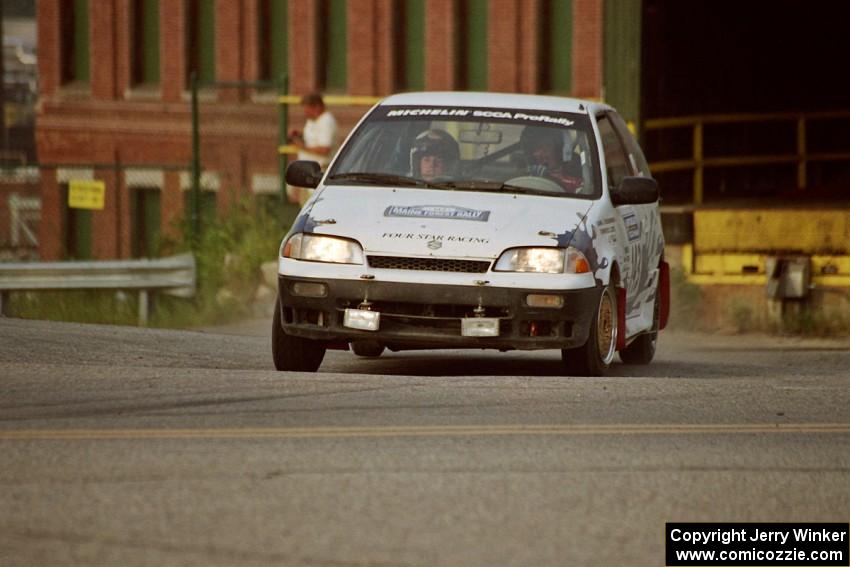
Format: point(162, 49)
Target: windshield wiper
point(467, 185)
point(384, 178)
point(490, 186)
point(528, 190)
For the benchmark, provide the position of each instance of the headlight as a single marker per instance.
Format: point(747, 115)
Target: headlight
point(543, 260)
point(315, 248)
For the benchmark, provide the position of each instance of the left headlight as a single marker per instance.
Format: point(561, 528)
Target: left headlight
point(542, 260)
point(316, 248)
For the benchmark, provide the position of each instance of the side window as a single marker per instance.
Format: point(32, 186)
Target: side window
point(616, 162)
point(636, 156)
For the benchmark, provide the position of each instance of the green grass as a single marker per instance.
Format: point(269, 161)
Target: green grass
point(76, 306)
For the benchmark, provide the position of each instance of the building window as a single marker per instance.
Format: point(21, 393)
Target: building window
point(75, 41)
point(472, 45)
point(200, 40)
point(333, 39)
point(146, 223)
point(273, 40)
point(409, 26)
point(145, 42)
point(556, 33)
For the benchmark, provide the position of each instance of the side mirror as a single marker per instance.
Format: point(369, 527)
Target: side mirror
point(303, 173)
point(635, 191)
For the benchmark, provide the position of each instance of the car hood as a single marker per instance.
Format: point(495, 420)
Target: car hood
point(446, 224)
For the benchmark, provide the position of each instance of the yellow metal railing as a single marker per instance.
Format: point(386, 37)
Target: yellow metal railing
point(698, 162)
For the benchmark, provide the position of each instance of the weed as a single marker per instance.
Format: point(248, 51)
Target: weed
point(742, 314)
point(684, 301)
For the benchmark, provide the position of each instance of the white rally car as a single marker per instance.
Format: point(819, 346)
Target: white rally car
point(471, 220)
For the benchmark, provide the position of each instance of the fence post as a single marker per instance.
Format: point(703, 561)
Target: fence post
point(195, 195)
point(698, 165)
point(801, 152)
point(144, 307)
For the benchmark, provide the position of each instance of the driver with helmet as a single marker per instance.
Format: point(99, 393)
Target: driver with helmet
point(434, 154)
point(550, 156)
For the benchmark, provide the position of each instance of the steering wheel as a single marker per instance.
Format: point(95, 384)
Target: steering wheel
point(536, 183)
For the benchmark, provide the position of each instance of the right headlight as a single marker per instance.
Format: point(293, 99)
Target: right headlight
point(545, 260)
point(317, 248)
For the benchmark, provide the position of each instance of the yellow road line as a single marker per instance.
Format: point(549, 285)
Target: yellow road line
point(421, 431)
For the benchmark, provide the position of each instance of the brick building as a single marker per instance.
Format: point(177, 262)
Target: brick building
point(114, 89)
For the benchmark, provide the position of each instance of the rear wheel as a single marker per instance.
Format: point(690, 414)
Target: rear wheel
point(594, 357)
point(294, 353)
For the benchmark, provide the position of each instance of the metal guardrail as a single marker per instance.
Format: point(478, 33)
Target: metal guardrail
point(174, 275)
point(698, 161)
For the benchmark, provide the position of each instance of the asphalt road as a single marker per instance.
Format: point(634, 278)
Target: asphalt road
point(124, 446)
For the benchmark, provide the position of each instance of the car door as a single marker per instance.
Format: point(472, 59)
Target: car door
point(639, 226)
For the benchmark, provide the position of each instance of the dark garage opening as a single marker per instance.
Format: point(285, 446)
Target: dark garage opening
point(724, 57)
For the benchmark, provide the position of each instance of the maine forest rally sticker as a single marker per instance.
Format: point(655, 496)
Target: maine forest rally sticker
point(436, 212)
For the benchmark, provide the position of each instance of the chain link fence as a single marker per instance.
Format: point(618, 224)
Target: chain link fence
point(20, 212)
point(19, 181)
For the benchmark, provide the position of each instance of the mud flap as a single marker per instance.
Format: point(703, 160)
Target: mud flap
point(664, 294)
point(621, 318)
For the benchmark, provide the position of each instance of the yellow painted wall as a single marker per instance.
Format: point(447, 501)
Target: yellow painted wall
point(774, 231)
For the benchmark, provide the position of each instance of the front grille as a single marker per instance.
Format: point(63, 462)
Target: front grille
point(429, 264)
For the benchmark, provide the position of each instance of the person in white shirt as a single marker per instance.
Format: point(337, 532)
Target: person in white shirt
point(316, 142)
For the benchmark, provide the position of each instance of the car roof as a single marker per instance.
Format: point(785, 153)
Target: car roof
point(495, 100)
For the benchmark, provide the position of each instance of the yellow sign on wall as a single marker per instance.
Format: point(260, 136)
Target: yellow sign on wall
point(83, 194)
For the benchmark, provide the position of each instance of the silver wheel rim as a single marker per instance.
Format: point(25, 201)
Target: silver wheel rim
point(606, 327)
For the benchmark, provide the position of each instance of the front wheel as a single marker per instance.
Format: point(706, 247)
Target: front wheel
point(594, 357)
point(294, 353)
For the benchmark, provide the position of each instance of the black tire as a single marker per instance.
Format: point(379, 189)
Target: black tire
point(594, 357)
point(367, 349)
point(642, 349)
point(294, 353)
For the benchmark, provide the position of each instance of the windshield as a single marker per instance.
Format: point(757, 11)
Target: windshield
point(476, 149)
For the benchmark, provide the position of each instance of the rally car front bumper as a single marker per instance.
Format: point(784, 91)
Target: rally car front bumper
point(414, 315)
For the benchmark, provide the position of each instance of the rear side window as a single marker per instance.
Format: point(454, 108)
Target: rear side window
point(616, 162)
point(636, 157)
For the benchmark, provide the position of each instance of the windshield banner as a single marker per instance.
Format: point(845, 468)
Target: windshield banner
point(459, 113)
